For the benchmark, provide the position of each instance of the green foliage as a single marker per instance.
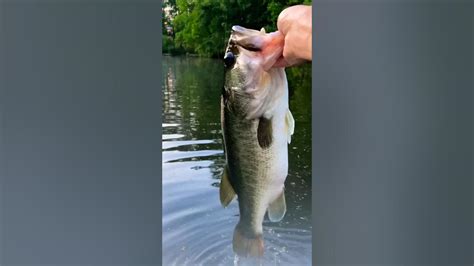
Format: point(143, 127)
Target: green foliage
point(299, 85)
point(203, 27)
point(169, 46)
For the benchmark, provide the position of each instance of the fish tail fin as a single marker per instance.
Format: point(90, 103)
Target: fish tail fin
point(247, 245)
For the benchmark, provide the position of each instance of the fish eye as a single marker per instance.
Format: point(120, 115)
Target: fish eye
point(229, 59)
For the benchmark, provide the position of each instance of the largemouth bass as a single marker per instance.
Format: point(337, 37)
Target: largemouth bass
point(257, 126)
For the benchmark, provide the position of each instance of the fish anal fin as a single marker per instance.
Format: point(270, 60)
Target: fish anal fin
point(264, 132)
point(226, 192)
point(277, 209)
point(290, 125)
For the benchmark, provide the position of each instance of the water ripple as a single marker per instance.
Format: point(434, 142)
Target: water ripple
point(169, 125)
point(172, 136)
point(169, 156)
point(174, 144)
point(197, 230)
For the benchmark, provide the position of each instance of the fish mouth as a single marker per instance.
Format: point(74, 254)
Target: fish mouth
point(250, 48)
point(242, 30)
point(251, 40)
point(263, 47)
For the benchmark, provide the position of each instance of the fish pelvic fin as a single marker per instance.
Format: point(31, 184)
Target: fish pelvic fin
point(226, 191)
point(264, 132)
point(290, 125)
point(247, 245)
point(277, 209)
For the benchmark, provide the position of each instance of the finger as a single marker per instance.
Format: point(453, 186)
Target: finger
point(283, 21)
point(272, 50)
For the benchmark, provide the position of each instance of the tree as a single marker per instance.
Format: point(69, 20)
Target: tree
point(203, 27)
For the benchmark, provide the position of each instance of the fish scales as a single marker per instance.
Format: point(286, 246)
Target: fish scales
point(257, 126)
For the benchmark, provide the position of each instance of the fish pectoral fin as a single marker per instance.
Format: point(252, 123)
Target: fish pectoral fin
point(226, 191)
point(290, 125)
point(277, 209)
point(264, 132)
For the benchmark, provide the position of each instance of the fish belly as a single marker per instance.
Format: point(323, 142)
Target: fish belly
point(257, 174)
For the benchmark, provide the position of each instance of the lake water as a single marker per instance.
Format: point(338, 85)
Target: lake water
point(197, 230)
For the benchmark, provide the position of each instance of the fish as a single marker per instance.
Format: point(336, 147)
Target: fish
point(257, 126)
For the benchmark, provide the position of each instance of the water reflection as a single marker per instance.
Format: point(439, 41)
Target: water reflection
point(196, 229)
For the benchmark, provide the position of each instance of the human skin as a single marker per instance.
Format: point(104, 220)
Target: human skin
point(295, 23)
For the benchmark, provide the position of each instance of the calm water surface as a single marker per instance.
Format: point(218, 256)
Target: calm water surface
point(197, 230)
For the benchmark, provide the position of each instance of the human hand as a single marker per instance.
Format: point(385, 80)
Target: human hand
point(295, 23)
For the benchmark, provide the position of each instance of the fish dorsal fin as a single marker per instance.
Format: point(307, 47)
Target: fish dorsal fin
point(264, 132)
point(277, 209)
point(290, 125)
point(262, 30)
point(226, 191)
